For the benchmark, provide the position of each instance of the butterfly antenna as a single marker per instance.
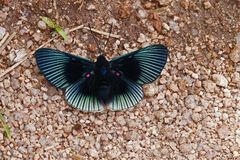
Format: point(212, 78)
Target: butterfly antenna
point(110, 31)
point(95, 39)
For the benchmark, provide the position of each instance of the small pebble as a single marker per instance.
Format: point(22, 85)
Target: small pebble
point(165, 151)
point(142, 13)
point(24, 30)
point(150, 90)
point(22, 150)
point(196, 117)
point(50, 128)
point(236, 77)
point(27, 73)
point(209, 86)
point(45, 96)
point(29, 43)
point(114, 153)
point(166, 26)
point(98, 122)
point(185, 148)
point(3, 16)
point(121, 120)
point(142, 38)
point(2, 32)
point(194, 32)
point(223, 132)
point(174, 87)
point(174, 26)
point(56, 97)
point(185, 4)
point(69, 40)
point(42, 25)
point(190, 101)
point(12, 55)
point(207, 5)
point(148, 5)
point(112, 21)
point(91, 7)
point(93, 153)
point(15, 83)
point(51, 91)
point(220, 80)
point(37, 36)
point(236, 154)
point(19, 116)
point(238, 39)
point(235, 54)
point(1, 136)
point(30, 127)
point(6, 83)
point(67, 129)
point(164, 2)
point(188, 49)
point(194, 75)
point(159, 114)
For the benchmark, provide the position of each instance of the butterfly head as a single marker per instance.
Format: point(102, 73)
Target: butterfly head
point(101, 60)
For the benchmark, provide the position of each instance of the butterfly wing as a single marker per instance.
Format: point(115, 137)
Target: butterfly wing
point(141, 66)
point(125, 94)
point(83, 95)
point(133, 70)
point(60, 68)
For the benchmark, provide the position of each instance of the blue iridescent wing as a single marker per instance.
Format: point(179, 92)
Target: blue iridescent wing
point(126, 94)
point(60, 68)
point(141, 66)
point(133, 70)
point(83, 95)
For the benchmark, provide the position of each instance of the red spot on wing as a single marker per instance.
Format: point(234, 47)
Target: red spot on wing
point(118, 74)
point(88, 75)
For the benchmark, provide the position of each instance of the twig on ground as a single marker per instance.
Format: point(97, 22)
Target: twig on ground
point(76, 28)
point(5, 43)
point(11, 68)
point(55, 7)
point(49, 147)
point(94, 30)
point(4, 39)
point(103, 33)
point(80, 2)
point(50, 40)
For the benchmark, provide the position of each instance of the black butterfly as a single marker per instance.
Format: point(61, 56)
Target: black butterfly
point(92, 85)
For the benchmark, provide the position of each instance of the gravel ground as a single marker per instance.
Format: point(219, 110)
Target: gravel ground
point(191, 112)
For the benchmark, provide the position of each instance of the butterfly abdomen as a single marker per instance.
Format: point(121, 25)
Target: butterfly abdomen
point(104, 87)
point(104, 94)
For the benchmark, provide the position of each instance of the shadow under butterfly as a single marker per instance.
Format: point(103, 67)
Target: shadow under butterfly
point(90, 86)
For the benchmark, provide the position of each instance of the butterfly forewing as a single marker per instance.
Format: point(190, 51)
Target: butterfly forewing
point(142, 66)
point(60, 68)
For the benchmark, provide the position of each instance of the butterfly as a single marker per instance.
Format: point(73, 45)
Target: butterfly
point(90, 86)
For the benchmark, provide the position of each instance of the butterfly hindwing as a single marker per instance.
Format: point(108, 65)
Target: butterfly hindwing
point(125, 94)
point(141, 66)
point(82, 95)
point(60, 68)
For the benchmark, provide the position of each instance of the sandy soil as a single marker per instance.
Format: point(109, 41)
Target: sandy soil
point(191, 112)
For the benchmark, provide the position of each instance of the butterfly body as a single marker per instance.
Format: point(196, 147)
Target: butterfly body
point(89, 86)
point(102, 80)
